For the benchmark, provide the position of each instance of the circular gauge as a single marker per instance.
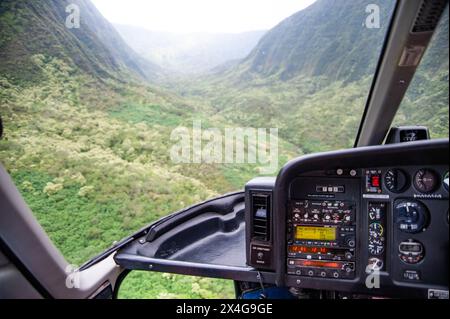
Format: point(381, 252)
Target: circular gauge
point(396, 180)
point(377, 241)
point(411, 216)
point(376, 231)
point(374, 264)
point(376, 249)
point(446, 181)
point(426, 181)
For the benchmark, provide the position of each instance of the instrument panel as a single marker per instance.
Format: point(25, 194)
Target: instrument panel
point(321, 228)
point(370, 229)
point(382, 221)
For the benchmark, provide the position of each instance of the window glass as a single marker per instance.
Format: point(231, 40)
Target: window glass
point(426, 101)
point(117, 113)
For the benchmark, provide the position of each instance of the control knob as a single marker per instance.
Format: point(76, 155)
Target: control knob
point(348, 255)
point(351, 241)
point(348, 268)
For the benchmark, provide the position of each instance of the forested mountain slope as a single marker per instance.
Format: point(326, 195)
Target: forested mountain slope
point(342, 48)
point(310, 76)
point(30, 27)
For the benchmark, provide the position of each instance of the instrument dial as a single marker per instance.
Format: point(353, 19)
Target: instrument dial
point(376, 250)
point(411, 251)
point(376, 239)
point(411, 216)
point(396, 180)
point(374, 264)
point(376, 231)
point(426, 181)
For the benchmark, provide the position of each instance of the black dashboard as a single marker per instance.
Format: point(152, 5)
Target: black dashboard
point(374, 221)
point(370, 221)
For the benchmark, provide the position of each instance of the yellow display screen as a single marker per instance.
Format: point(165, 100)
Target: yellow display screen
point(315, 233)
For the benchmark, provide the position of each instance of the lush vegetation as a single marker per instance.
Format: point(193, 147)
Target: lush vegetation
point(94, 173)
point(87, 140)
point(310, 79)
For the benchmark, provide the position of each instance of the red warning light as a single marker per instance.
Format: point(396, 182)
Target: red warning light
point(375, 181)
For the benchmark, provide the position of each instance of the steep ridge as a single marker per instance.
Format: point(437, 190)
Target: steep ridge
point(303, 44)
point(33, 27)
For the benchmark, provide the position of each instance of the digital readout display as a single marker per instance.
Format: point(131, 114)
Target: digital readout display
point(319, 264)
point(315, 233)
point(309, 250)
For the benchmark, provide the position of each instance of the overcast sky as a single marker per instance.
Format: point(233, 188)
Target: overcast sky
point(200, 15)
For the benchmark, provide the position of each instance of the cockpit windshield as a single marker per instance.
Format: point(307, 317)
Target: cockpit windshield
point(119, 112)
